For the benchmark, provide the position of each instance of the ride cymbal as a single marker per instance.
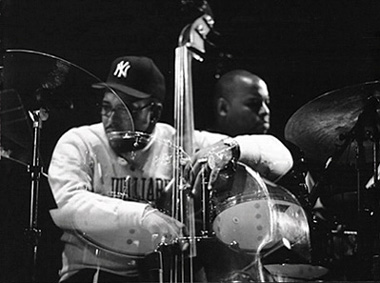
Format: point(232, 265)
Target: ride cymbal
point(58, 89)
point(323, 127)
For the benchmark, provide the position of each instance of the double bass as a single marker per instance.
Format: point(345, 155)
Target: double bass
point(247, 192)
point(182, 203)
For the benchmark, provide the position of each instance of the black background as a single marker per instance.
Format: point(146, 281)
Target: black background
point(301, 48)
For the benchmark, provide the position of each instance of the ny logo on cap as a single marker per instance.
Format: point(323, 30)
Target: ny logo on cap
point(122, 69)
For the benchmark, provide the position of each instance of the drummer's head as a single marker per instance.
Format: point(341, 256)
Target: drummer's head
point(241, 102)
point(139, 85)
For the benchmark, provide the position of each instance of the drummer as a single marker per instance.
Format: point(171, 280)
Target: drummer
point(241, 104)
point(87, 166)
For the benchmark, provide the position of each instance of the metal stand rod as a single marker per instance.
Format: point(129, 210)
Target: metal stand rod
point(366, 206)
point(376, 147)
point(33, 233)
point(368, 219)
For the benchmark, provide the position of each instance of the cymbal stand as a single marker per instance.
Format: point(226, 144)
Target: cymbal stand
point(368, 254)
point(376, 148)
point(33, 233)
point(315, 192)
point(367, 209)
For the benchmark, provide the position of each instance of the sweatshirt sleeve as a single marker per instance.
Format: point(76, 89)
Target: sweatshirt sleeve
point(265, 154)
point(71, 180)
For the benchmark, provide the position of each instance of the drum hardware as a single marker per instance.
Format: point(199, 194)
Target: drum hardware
point(303, 193)
point(296, 179)
point(345, 232)
point(325, 129)
point(13, 115)
point(292, 267)
point(256, 272)
point(316, 191)
point(281, 244)
point(33, 233)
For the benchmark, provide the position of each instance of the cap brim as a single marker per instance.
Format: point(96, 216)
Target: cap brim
point(122, 88)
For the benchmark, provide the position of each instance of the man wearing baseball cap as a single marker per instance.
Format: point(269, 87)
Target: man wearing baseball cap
point(140, 85)
point(107, 177)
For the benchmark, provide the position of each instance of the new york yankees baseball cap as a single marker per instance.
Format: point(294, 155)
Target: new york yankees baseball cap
point(135, 76)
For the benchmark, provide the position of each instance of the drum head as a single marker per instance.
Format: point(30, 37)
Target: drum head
point(244, 218)
point(261, 215)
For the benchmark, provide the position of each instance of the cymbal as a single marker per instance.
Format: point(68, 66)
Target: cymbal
point(319, 126)
point(39, 81)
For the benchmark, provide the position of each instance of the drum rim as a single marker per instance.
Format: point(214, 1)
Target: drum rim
point(254, 196)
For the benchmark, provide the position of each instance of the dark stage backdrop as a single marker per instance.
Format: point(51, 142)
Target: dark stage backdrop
point(301, 48)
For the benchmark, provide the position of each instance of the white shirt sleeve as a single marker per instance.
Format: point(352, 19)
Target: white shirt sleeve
point(265, 154)
point(70, 178)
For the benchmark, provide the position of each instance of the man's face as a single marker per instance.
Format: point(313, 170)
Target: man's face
point(116, 117)
point(248, 111)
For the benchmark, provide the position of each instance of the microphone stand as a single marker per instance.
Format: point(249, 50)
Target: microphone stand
point(33, 233)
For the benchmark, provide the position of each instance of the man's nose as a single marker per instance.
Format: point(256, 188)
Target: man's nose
point(264, 109)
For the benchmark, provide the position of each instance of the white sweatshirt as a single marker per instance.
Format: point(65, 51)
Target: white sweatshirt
point(92, 187)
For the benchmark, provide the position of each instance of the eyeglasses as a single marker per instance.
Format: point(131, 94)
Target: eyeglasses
point(107, 110)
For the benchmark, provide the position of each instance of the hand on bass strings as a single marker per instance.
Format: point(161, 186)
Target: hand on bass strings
point(164, 228)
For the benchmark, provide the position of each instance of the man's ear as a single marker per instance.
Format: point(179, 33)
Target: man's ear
point(156, 110)
point(222, 107)
point(155, 114)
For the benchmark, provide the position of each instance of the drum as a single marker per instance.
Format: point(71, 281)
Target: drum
point(243, 216)
point(258, 214)
point(287, 266)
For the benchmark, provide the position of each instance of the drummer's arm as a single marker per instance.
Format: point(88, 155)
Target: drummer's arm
point(265, 154)
point(70, 178)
